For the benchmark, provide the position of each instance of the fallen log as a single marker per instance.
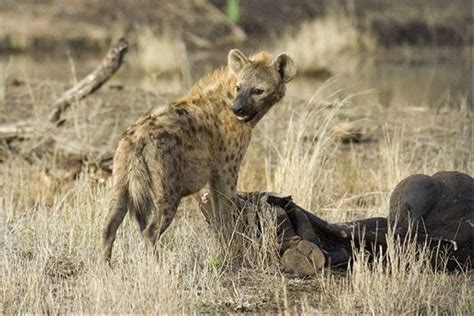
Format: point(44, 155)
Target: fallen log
point(91, 83)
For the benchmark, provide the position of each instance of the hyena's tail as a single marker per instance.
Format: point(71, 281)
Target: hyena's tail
point(130, 193)
point(141, 202)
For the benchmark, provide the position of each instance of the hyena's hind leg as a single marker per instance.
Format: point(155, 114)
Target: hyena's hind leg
point(118, 210)
point(161, 219)
point(141, 219)
point(166, 177)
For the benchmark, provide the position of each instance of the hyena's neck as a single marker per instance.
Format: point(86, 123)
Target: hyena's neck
point(218, 85)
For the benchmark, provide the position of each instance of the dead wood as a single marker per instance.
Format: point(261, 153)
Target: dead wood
point(46, 137)
point(91, 83)
point(18, 129)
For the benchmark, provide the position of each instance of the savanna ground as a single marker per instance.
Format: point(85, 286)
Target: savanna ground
point(412, 107)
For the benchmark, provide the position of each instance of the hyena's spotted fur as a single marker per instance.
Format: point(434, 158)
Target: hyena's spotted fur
point(176, 150)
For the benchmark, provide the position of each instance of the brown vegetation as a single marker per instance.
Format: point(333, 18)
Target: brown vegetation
point(53, 205)
point(50, 226)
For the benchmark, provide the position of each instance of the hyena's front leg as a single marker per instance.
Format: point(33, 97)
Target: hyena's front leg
point(223, 215)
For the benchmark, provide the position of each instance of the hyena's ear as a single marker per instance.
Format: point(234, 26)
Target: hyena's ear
point(236, 61)
point(285, 67)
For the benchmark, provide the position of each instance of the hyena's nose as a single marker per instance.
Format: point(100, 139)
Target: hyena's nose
point(238, 108)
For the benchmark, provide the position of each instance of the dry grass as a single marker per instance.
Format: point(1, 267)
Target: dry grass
point(161, 56)
point(321, 44)
point(402, 282)
point(49, 231)
point(332, 43)
point(50, 227)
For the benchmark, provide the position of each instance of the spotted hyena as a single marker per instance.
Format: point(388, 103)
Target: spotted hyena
point(177, 149)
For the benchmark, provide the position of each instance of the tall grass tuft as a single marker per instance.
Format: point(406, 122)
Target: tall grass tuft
point(322, 43)
point(162, 55)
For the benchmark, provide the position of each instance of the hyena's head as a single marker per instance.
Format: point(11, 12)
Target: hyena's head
point(261, 81)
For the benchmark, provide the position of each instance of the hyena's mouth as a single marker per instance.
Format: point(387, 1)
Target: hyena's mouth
point(246, 118)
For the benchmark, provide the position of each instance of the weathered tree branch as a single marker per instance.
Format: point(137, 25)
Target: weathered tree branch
point(111, 63)
point(17, 129)
point(91, 83)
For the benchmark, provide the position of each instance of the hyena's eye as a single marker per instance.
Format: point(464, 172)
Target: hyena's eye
point(257, 91)
point(237, 88)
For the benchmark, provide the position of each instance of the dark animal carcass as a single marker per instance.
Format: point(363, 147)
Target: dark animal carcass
point(437, 210)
